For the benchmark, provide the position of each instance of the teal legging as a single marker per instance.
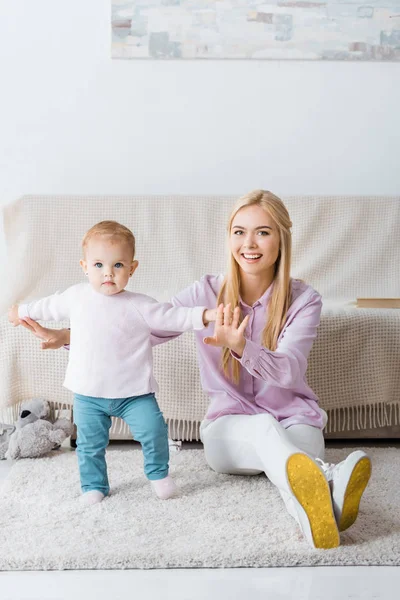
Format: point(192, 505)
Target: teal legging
point(92, 416)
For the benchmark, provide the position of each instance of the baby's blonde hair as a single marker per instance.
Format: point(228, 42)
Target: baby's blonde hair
point(280, 298)
point(114, 231)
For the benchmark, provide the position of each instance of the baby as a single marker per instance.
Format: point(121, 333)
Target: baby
point(110, 367)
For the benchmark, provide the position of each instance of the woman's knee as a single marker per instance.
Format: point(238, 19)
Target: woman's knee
point(308, 439)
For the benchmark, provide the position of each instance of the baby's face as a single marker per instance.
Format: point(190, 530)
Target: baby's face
point(109, 265)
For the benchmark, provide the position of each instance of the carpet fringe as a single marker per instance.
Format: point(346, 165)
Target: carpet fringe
point(358, 418)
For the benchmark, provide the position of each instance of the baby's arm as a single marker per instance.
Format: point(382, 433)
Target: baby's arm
point(164, 316)
point(51, 308)
point(188, 297)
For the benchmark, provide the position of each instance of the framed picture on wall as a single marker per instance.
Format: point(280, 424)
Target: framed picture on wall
point(247, 29)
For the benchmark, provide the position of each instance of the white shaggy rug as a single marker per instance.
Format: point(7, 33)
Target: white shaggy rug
point(218, 520)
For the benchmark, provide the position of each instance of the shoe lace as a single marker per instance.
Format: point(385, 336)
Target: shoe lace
point(328, 468)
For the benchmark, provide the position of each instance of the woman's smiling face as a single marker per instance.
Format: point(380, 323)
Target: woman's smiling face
point(254, 240)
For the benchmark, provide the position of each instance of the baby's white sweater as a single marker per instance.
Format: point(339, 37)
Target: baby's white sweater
point(110, 350)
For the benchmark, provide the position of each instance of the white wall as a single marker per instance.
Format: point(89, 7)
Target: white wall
point(74, 121)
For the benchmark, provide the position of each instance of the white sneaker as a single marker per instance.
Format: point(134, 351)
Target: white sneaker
point(348, 480)
point(311, 501)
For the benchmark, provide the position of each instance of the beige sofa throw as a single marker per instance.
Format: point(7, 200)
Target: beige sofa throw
point(343, 246)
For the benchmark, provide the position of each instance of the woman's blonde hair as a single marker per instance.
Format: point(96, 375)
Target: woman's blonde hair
point(114, 231)
point(280, 298)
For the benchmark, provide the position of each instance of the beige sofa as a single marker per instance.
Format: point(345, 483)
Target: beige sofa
point(344, 246)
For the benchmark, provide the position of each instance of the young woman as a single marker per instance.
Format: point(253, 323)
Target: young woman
point(263, 416)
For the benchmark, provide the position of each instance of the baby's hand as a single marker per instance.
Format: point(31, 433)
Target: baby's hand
point(13, 315)
point(209, 315)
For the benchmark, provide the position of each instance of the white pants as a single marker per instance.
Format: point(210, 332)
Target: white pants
point(251, 444)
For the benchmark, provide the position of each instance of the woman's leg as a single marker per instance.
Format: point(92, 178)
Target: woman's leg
point(347, 479)
point(242, 444)
point(93, 423)
point(250, 444)
point(308, 439)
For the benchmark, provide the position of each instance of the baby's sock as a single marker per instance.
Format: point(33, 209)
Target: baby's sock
point(91, 497)
point(164, 488)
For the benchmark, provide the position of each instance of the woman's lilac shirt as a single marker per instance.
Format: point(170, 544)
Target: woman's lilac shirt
point(271, 382)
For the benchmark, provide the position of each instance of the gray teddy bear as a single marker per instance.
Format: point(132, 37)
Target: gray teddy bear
point(33, 434)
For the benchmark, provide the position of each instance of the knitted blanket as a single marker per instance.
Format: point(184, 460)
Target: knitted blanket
point(345, 247)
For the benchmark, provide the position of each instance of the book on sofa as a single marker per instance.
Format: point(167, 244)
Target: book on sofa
point(378, 303)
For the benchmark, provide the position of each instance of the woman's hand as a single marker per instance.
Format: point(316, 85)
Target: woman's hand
point(227, 330)
point(52, 338)
point(13, 315)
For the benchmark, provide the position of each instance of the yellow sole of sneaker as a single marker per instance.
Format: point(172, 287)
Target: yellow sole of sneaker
point(312, 491)
point(355, 489)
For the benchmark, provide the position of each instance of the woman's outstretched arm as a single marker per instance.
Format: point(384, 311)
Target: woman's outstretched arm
point(52, 339)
